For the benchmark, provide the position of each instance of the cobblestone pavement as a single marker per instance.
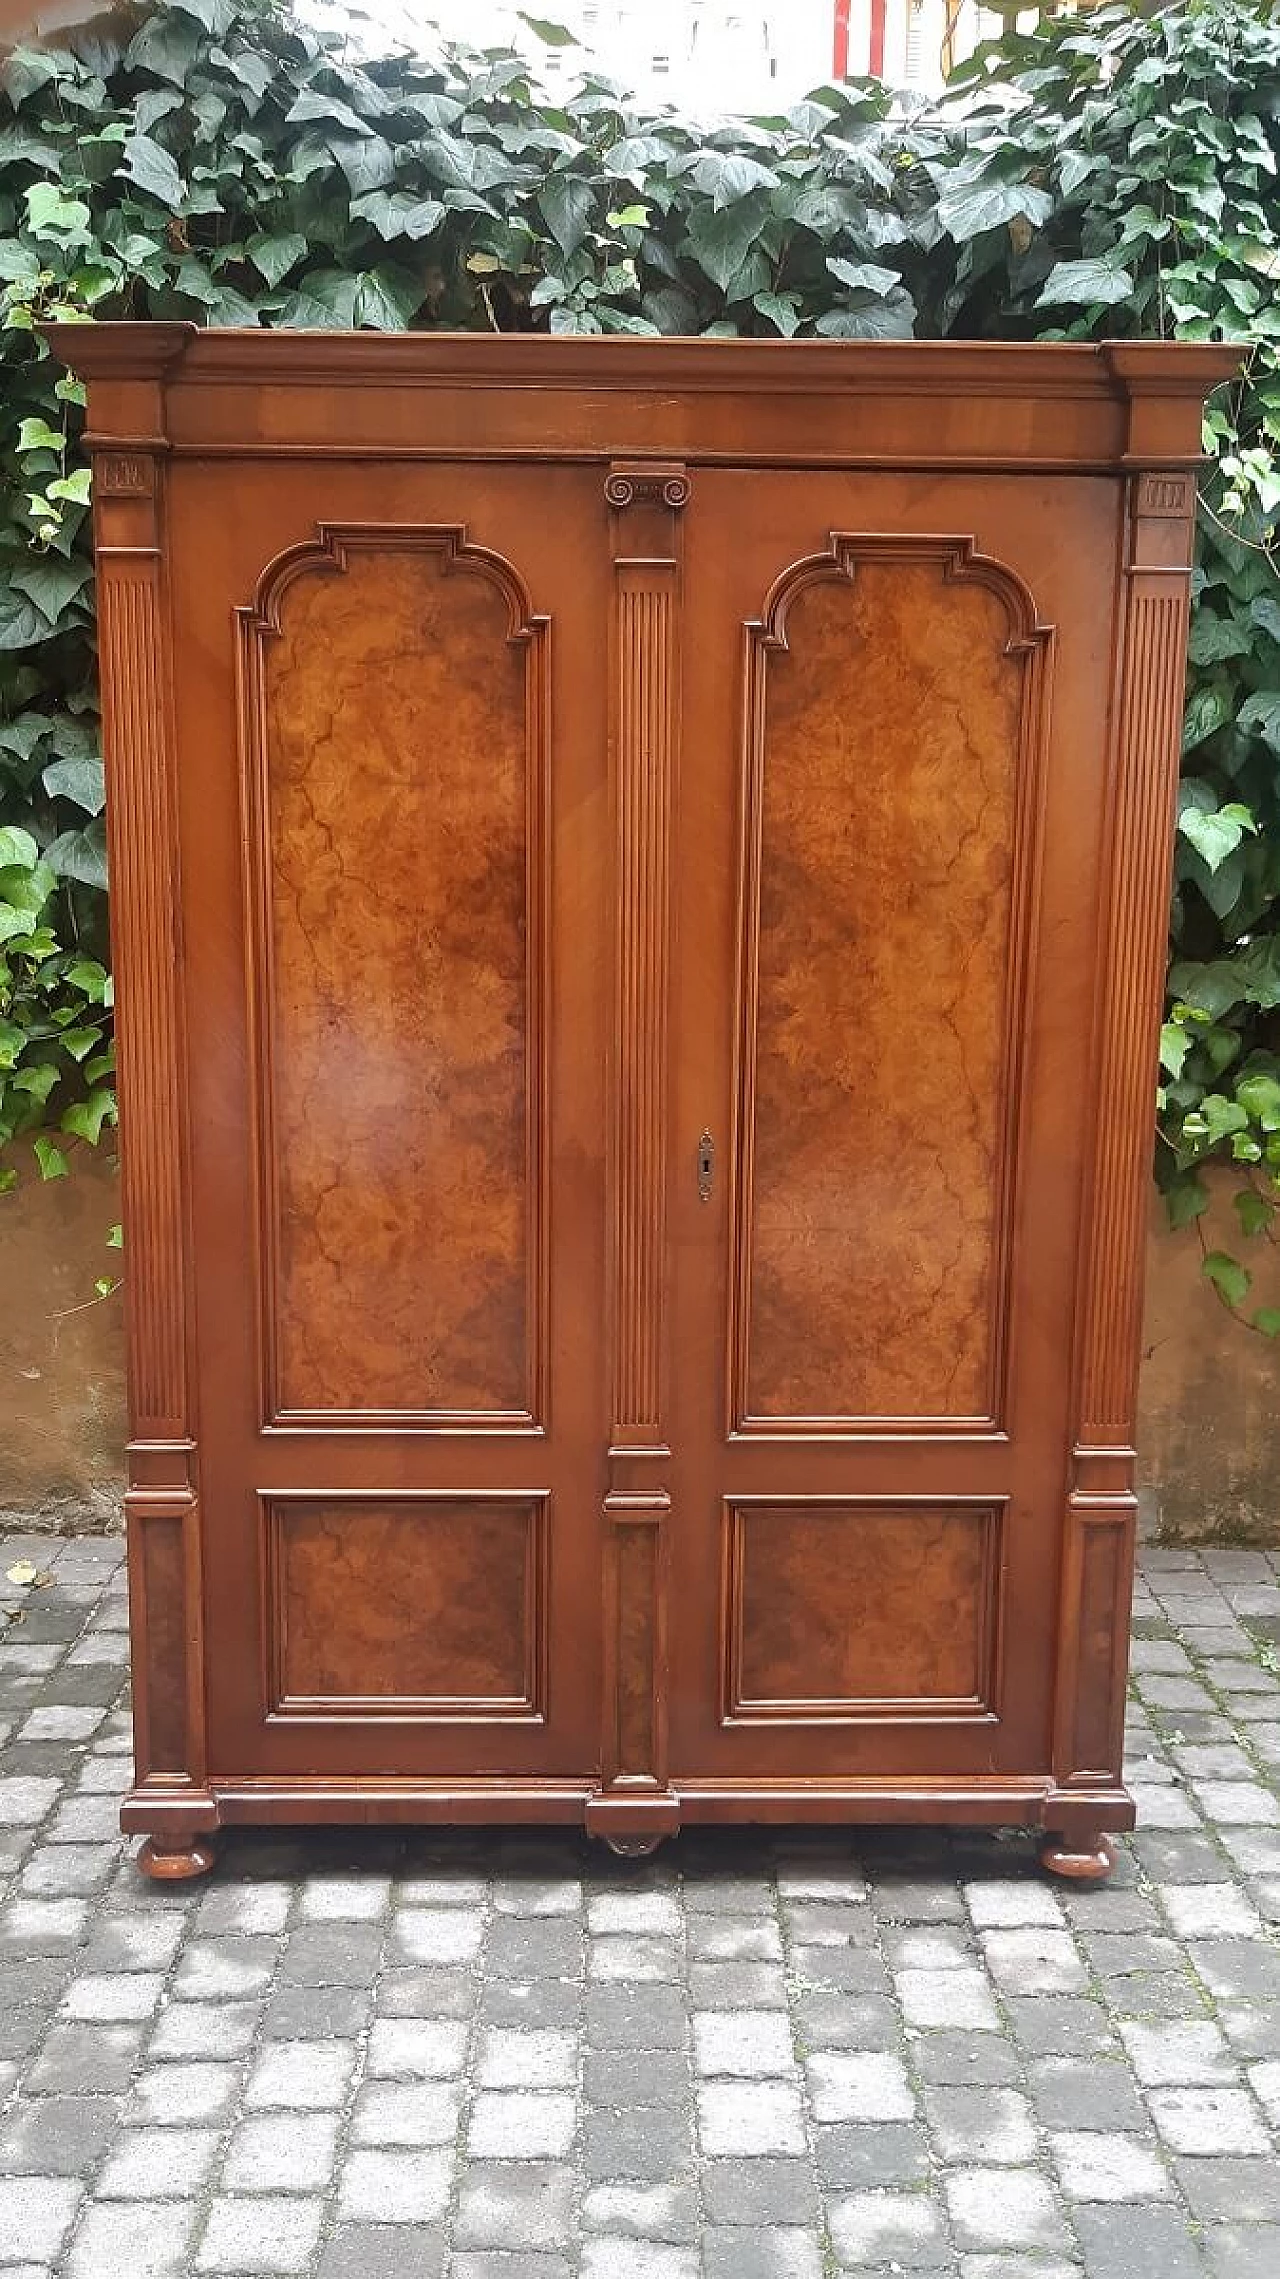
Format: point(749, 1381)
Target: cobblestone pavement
point(507, 2056)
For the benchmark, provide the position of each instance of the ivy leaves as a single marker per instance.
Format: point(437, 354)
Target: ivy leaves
point(57, 1059)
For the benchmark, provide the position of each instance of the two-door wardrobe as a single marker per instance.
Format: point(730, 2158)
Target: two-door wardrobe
point(639, 877)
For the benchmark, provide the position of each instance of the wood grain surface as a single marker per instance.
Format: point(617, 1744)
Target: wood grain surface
point(633, 1308)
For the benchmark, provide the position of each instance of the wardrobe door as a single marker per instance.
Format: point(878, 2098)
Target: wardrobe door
point(391, 741)
point(881, 1001)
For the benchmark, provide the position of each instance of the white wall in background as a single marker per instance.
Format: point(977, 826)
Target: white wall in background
point(757, 55)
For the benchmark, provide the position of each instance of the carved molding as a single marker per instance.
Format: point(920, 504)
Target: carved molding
point(1093, 1647)
point(988, 1517)
point(334, 544)
point(142, 854)
point(960, 559)
point(644, 732)
point(646, 501)
point(162, 1510)
point(1100, 1521)
point(1165, 494)
point(640, 484)
point(330, 553)
point(525, 1705)
point(124, 474)
point(1029, 646)
point(635, 1648)
point(1146, 733)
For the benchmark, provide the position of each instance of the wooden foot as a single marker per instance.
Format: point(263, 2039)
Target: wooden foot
point(175, 1863)
point(1087, 1858)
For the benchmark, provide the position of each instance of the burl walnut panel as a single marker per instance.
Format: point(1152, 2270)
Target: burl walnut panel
point(398, 769)
point(422, 1603)
point(844, 1606)
point(890, 739)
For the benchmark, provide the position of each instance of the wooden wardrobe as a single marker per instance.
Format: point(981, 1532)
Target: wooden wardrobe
point(639, 886)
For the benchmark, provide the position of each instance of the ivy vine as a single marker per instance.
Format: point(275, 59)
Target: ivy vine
point(222, 161)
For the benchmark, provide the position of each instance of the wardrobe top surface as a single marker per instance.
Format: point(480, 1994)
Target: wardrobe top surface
point(190, 351)
point(1069, 406)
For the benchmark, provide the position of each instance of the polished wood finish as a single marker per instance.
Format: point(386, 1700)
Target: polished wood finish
point(399, 754)
point(633, 1312)
point(1089, 1860)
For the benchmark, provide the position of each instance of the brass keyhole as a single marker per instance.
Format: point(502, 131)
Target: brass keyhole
point(706, 1166)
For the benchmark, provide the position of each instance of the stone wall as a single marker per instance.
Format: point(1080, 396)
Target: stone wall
point(62, 1423)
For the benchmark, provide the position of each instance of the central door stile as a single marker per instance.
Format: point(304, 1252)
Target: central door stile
point(634, 1806)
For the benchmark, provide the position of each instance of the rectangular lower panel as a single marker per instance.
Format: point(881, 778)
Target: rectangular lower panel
point(158, 1549)
point(839, 1608)
point(414, 1605)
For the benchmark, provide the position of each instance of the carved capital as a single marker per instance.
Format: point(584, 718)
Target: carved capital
point(641, 483)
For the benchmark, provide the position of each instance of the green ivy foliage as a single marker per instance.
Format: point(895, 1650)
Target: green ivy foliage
point(218, 160)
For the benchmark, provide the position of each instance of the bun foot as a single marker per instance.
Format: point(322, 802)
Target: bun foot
point(175, 1863)
point(1088, 1859)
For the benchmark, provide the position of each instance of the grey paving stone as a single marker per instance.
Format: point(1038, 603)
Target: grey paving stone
point(781, 2252)
point(1209, 2121)
point(855, 2085)
point(100, 2059)
point(854, 2157)
point(619, 2017)
point(847, 2021)
point(296, 2013)
point(1102, 2164)
point(635, 2077)
point(384, 2251)
point(260, 2235)
point(526, 2002)
point(964, 2059)
point(1017, 2267)
point(1079, 2093)
point(205, 2029)
point(1242, 2251)
point(528, 2205)
point(396, 2186)
point(517, 2124)
point(741, 1985)
point(407, 2113)
point(647, 2145)
point(494, 2265)
point(36, 2213)
point(1138, 2243)
point(535, 1947)
point(1231, 2190)
point(638, 2259)
point(1004, 2207)
point(643, 2211)
point(311, 2076)
point(897, 2230)
point(55, 2136)
point(762, 2191)
point(1061, 2026)
point(281, 2152)
point(158, 2164)
point(143, 2240)
point(472, 2055)
point(737, 2117)
point(173, 2095)
point(331, 1954)
point(982, 2125)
